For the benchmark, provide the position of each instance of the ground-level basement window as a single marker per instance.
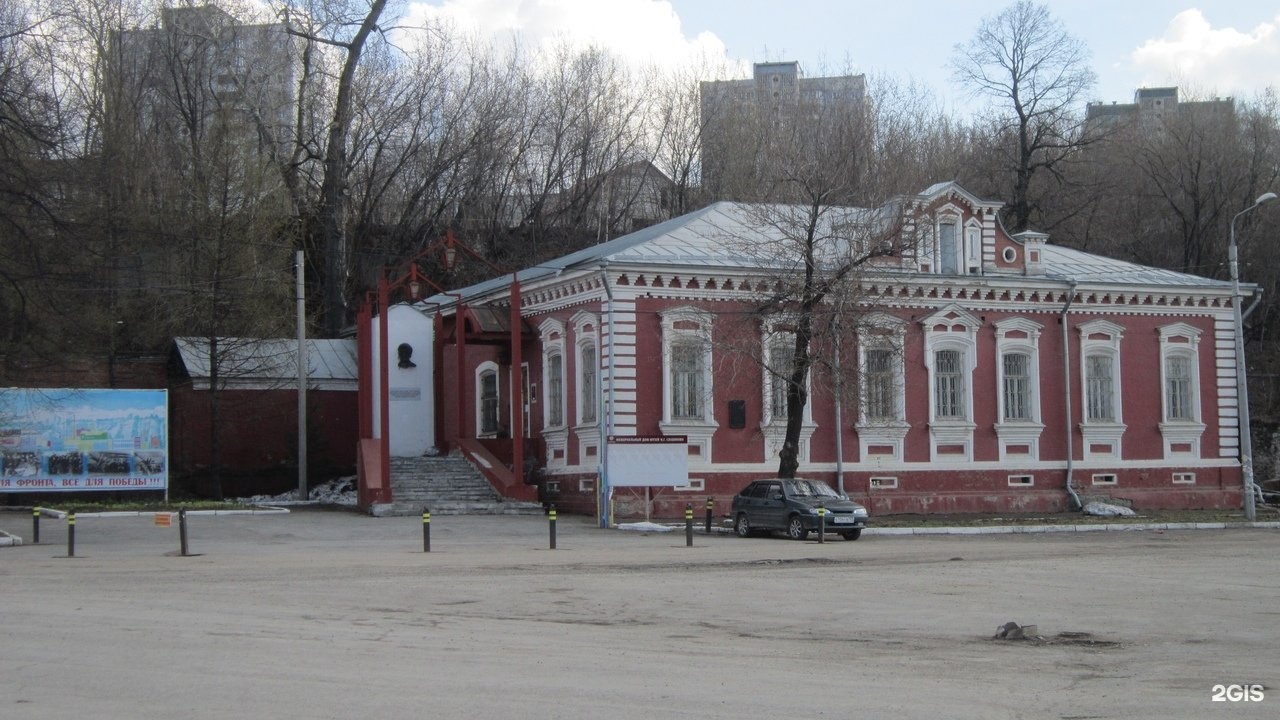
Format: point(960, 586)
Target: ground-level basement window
point(553, 486)
point(1022, 480)
point(1104, 479)
point(884, 483)
point(587, 485)
point(1184, 478)
point(695, 485)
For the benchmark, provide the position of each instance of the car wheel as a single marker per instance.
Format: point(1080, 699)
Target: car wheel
point(742, 525)
point(795, 528)
point(852, 534)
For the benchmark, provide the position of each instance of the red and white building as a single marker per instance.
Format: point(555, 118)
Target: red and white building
point(997, 372)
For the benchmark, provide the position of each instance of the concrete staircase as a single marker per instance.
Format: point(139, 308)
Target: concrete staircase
point(447, 485)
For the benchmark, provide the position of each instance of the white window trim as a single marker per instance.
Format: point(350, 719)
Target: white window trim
point(959, 332)
point(586, 332)
point(973, 246)
point(699, 431)
point(1180, 339)
point(883, 331)
point(968, 248)
point(1019, 432)
point(1093, 432)
point(555, 438)
point(773, 428)
point(481, 369)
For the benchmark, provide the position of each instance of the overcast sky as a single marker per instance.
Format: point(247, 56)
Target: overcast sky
point(1208, 47)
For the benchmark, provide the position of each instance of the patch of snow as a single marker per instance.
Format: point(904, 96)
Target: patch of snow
point(341, 491)
point(644, 527)
point(1102, 509)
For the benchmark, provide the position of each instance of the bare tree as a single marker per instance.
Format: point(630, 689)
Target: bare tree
point(816, 165)
point(30, 135)
point(348, 27)
point(1025, 60)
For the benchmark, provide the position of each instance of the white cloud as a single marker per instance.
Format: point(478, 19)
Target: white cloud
point(641, 32)
point(1209, 60)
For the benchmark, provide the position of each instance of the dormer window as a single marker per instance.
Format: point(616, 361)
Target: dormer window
point(948, 249)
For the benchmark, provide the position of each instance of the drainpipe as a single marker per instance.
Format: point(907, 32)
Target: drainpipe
point(607, 420)
point(1066, 395)
point(839, 416)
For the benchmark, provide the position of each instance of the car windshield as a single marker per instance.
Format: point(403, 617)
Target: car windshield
point(810, 488)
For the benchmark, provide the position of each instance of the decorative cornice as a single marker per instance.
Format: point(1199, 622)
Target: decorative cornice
point(908, 291)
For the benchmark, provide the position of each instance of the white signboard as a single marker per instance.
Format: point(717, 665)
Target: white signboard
point(648, 461)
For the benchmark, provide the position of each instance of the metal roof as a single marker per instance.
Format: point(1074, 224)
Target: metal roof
point(269, 359)
point(710, 237)
point(713, 237)
point(1086, 268)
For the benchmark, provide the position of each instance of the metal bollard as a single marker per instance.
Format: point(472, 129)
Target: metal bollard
point(182, 531)
point(822, 523)
point(688, 524)
point(711, 506)
point(426, 529)
point(71, 533)
point(35, 526)
point(551, 524)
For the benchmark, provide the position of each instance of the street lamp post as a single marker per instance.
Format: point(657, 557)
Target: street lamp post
point(1242, 379)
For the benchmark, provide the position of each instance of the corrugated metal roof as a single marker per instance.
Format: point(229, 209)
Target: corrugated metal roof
point(269, 359)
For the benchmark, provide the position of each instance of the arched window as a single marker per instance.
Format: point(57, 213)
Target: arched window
point(1102, 423)
point(588, 384)
point(686, 387)
point(1018, 380)
point(487, 400)
point(555, 389)
point(950, 336)
point(1180, 375)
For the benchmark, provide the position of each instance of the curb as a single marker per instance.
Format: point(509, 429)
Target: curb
point(61, 514)
point(1092, 527)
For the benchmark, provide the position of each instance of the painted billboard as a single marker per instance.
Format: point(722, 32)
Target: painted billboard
point(76, 439)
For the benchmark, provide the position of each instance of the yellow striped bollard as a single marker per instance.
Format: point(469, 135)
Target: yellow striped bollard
point(551, 523)
point(426, 530)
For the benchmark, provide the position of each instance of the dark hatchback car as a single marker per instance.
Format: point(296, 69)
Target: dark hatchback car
point(793, 506)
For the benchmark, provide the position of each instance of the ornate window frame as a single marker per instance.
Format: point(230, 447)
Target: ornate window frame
point(555, 436)
point(586, 335)
point(772, 427)
point(951, 328)
point(689, 324)
point(1019, 438)
point(1102, 438)
point(880, 440)
point(1181, 435)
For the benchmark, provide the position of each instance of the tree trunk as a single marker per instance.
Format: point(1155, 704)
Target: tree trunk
point(333, 199)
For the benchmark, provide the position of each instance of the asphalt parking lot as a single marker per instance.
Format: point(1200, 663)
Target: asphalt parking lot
point(324, 614)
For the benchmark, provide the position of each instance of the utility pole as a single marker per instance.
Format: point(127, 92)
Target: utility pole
point(302, 376)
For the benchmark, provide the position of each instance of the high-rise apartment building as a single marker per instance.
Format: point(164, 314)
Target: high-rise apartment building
point(201, 65)
point(737, 115)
